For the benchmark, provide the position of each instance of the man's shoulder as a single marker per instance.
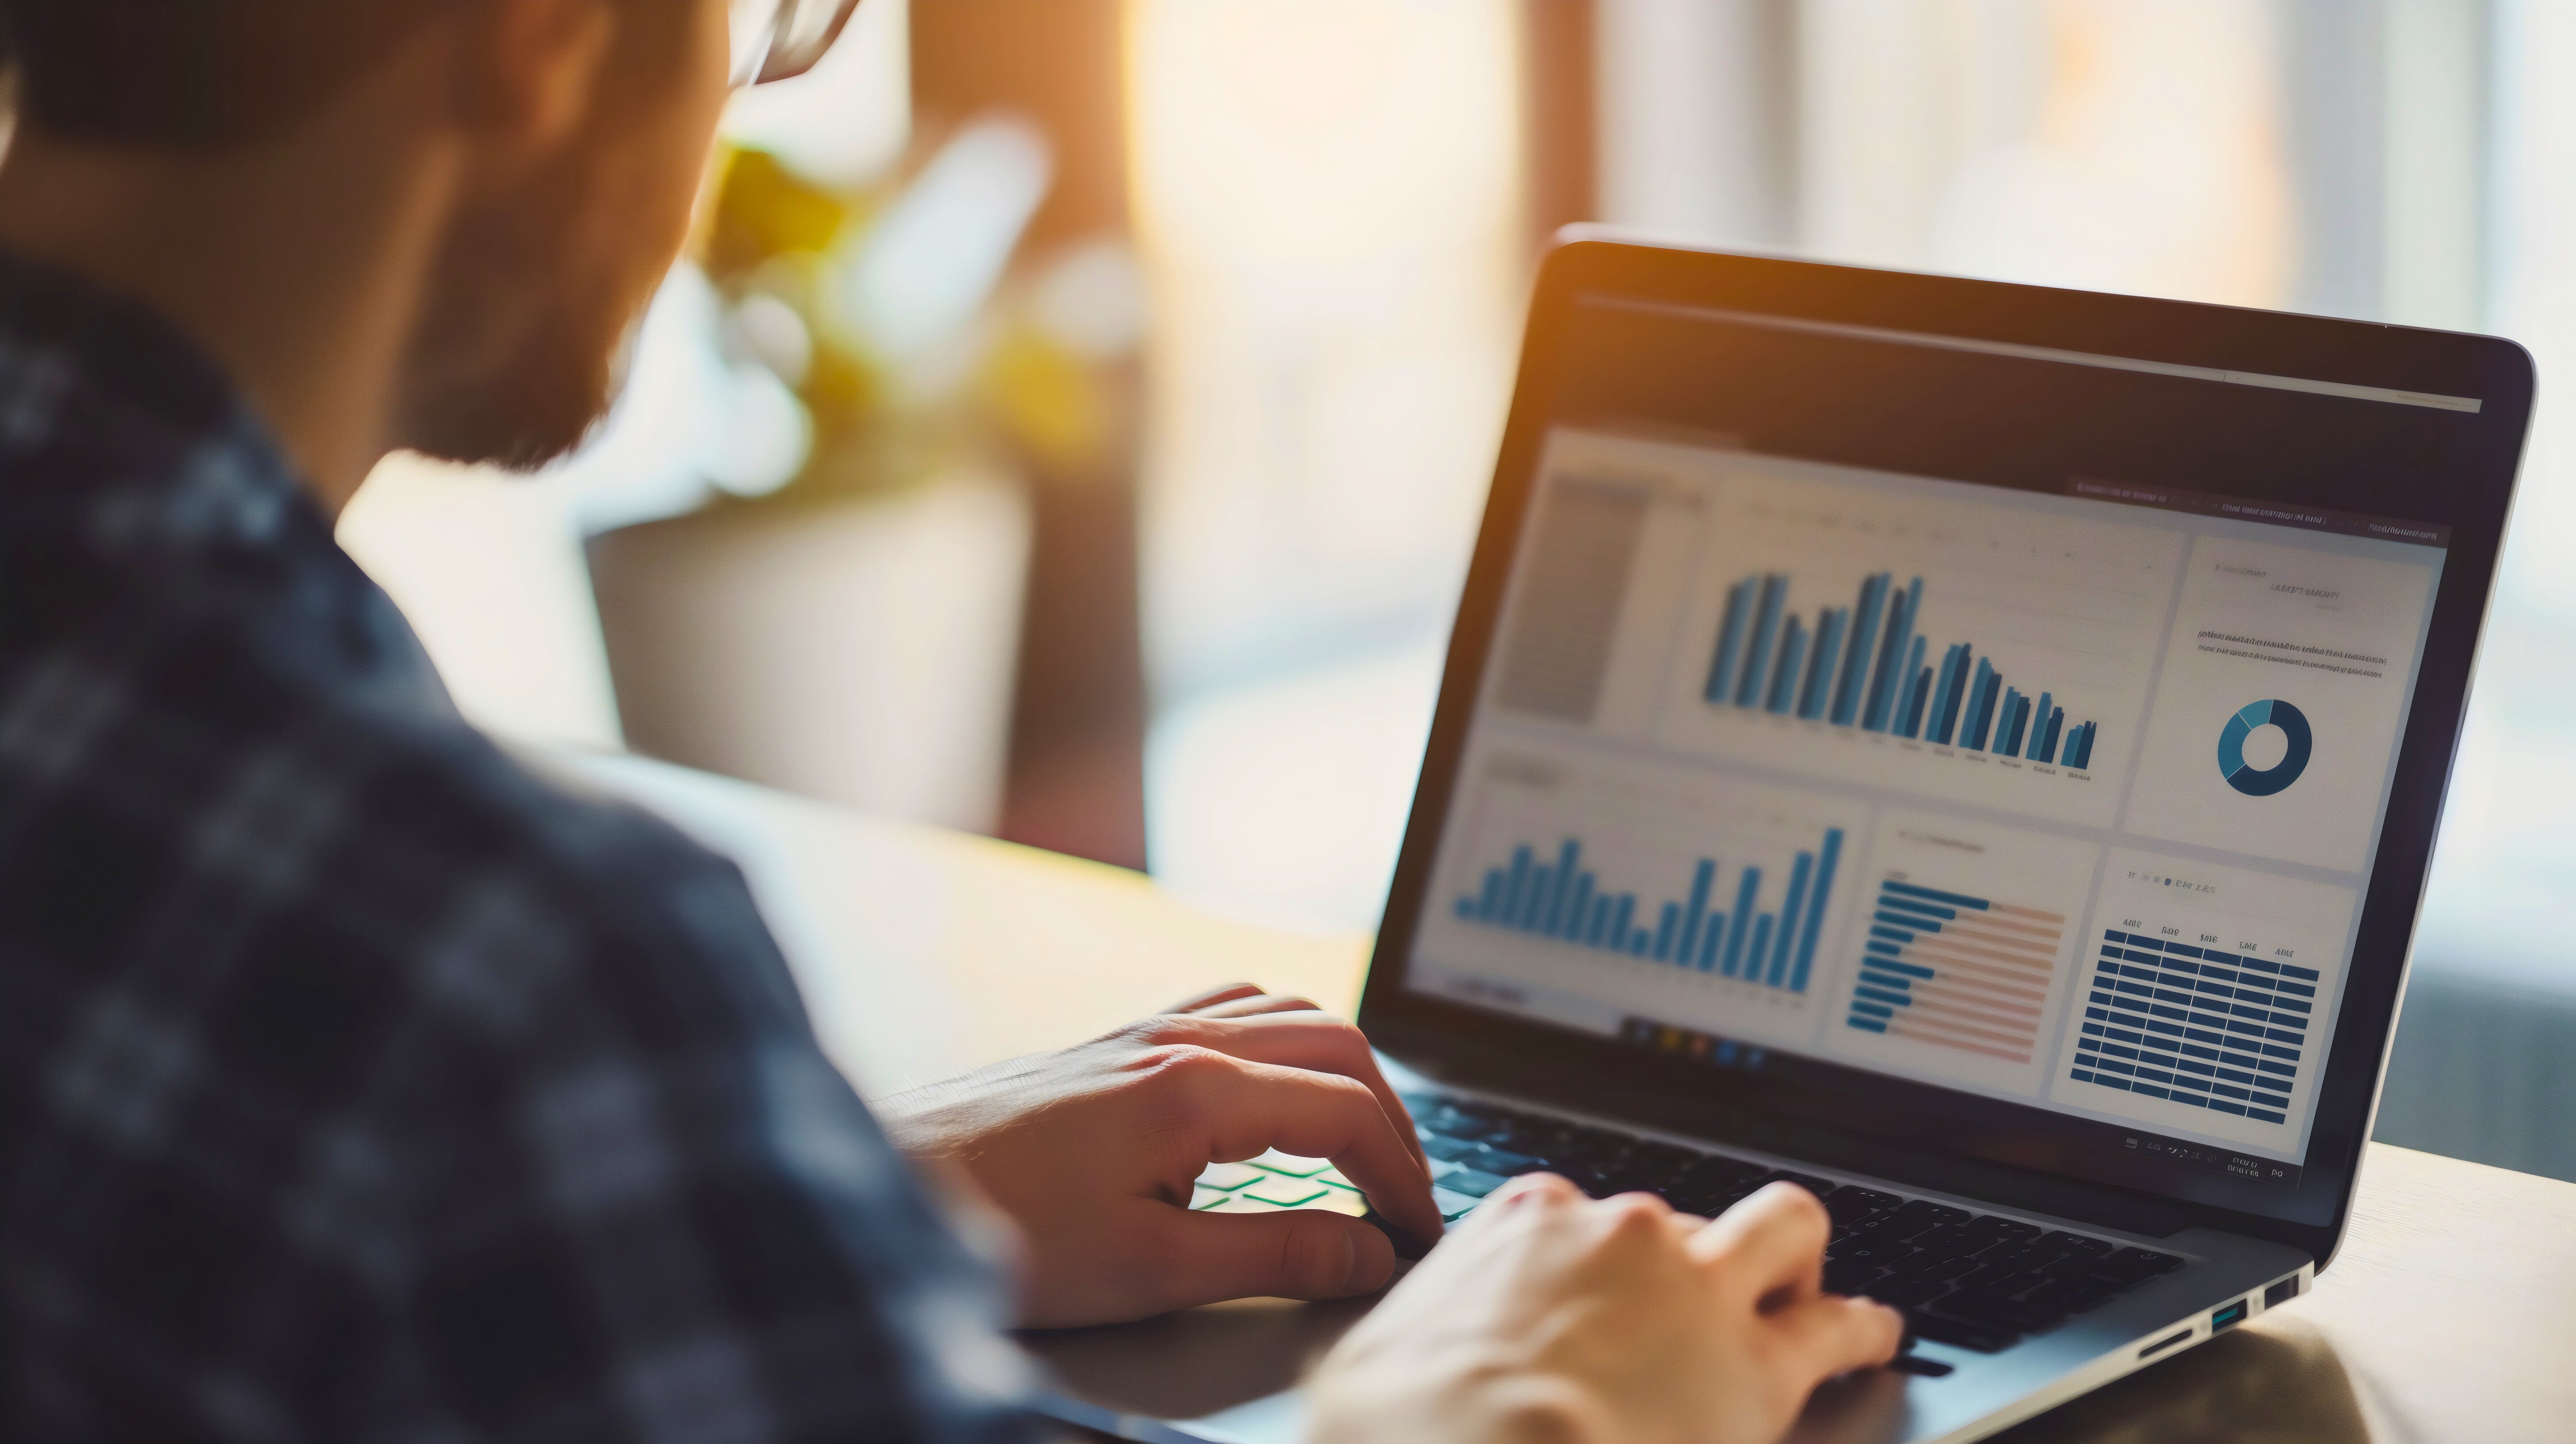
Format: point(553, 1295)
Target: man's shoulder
point(264, 833)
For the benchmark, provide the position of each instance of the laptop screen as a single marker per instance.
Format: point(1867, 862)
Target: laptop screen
point(1869, 705)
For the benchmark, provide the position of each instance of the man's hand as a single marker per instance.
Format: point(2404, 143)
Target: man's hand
point(1546, 1316)
point(1091, 1151)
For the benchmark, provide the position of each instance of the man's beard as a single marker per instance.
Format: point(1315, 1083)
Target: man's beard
point(521, 354)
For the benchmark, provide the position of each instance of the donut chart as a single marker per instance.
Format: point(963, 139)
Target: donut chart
point(2265, 781)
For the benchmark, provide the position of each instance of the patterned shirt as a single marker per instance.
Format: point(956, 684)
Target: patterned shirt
point(356, 1084)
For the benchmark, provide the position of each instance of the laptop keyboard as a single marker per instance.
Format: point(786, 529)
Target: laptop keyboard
point(1977, 1281)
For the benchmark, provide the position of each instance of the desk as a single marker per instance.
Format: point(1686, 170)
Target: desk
point(2450, 1313)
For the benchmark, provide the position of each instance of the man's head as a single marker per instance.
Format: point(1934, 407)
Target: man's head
point(573, 135)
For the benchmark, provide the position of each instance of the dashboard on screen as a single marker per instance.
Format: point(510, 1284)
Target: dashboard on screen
point(2050, 785)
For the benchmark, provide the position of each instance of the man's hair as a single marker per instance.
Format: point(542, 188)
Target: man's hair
point(189, 72)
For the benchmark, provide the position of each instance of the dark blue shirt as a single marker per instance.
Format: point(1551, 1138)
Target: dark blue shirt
point(356, 1084)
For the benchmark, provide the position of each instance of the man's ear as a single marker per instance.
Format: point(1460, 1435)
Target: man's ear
point(534, 68)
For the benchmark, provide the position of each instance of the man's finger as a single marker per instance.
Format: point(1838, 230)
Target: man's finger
point(1772, 1244)
point(1828, 1335)
point(1300, 1253)
point(1245, 1108)
point(1214, 996)
point(1256, 1005)
point(1313, 1041)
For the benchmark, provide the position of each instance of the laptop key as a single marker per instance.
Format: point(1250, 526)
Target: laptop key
point(1848, 1277)
point(2002, 1230)
point(1948, 1241)
point(1716, 1169)
point(1877, 1255)
point(1930, 1268)
point(1930, 1213)
point(1961, 1333)
point(1852, 1203)
point(1498, 1161)
point(1898, 1291)
point(1447, 1149)
point(1808, 1181)
point(1470, 1182)
point(1995, 1312)
point(2076, 1243)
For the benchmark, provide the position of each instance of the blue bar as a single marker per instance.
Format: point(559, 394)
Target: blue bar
point(1708, 941)
point(1517, 889)
point(1766, 626)
point(2007, 735)
point(1599, 928)
point(1670, 924)
point(1907, 904)
point(1981, 705)
point(1577, 909)
point(1730, 641)
point(1891, 655)
point(1820, 669)
point(1747, 884)
point(1784, 678)
point(1816, 909)
point(1907, 920)
point(1847, 691)
point(1955, 699)
point(1542, 886)
point(1761, 944)
point(1466, 909)
point(1955, 900)
point(1497, 883)
point(1702, 879)
point(2039, 724)
point(2048, 744)
point(1944, 719)
point(1913, 665)
point(1619, 916)
point(1798, 875)
point(1917, 697)
point(1566, 857)
point(1881, 995)
point(2080, 752)
point(1892, 935)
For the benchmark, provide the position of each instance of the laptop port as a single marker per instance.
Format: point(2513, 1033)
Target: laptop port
point(2281, 1293)
point(2229, 1317)
point(2160, 1345)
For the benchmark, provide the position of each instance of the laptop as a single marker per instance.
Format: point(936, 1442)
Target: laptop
point(1972, 750)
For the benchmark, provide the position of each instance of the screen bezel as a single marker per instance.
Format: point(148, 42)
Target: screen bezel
point(1478, 1047)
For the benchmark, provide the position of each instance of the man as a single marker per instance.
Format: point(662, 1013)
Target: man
point(356, 1084)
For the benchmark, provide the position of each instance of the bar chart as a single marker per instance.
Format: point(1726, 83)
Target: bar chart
point(1956, 971)
point(1868, 665)
point(1719, 921)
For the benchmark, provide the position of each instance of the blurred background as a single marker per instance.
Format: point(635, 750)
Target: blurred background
point(1073, 421)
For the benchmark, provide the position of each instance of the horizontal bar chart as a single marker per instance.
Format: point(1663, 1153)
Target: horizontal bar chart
point(1703, 926)
point(1955, 971)
point(1868, 666)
